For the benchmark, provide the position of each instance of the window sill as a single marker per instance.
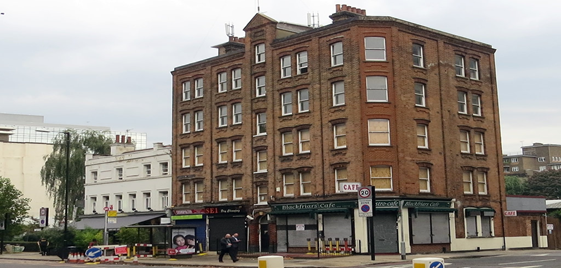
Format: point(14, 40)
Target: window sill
point(260, 172)
point(384, 60)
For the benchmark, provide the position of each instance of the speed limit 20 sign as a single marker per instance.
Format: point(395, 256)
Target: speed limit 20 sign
point(365, 192)
point(366, 201)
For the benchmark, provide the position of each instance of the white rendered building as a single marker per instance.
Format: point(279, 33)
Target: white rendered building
point(135, 183)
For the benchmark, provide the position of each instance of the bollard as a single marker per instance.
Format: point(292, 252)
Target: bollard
point(330, 250)
point(428, 263)
point(270, 262)
point(316, 244)
point(337, 245)
point(309, 245)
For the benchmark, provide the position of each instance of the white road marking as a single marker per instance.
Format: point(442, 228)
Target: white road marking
point(521, 262)
point(540, 255)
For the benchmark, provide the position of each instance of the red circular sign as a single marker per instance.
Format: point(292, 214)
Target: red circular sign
point(105, 209)
point(364, 192)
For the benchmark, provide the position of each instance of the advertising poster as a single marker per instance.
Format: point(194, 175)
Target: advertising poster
point(184, 240)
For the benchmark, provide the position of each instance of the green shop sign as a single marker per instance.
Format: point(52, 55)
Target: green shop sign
point(187, 217)
point(314, 206)
point(426, 204)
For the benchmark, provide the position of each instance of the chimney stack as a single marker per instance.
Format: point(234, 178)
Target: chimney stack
point(343, 12)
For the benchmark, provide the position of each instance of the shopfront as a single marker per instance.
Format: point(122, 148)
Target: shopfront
point(224, 220)
point(298, 224)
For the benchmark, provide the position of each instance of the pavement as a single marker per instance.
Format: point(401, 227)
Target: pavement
point(210, 260)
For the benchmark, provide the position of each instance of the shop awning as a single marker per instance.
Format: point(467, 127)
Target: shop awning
point(479, 209)
point(332, 210)
point(124, 221)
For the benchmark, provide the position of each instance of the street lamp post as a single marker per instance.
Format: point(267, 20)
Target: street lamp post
point(66, 189)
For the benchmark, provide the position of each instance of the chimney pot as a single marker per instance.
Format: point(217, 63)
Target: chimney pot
point(353, 9)
point(117, 139)
point(122, 138)
point(344, 8)
point(337, 8)
point(129, 140)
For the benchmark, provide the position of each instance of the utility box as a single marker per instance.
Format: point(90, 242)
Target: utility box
point(270, 262)
point(428, 263)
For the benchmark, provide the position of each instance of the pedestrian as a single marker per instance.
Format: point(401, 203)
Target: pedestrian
point(225, 245)
point(43, 244)
point(93, 243)
point(235, 246)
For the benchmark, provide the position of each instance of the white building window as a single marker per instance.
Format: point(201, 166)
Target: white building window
point(147, 201)
point(304, 141)
point(464, 141)
point(459, 66)
point(236, 113)
point(418, 56)
point(186, 156)
point(462, 102)
point(377, 89)
point(186, 90)
point(305, 183)
point(340, 177)
point(94, 176)
point(93, 204)
point(338, 93)
point(186, 193)
point(222, 152)
point(199, 155)
point(286, 101)
point(147, 170)
point(479, 143)
point(199, 120)
point(381, 177)
point(105, 201)
point(422, 136)
point(424, 179)
point(476, 104)
point(340, 136)
point(467, 177)
point(378, 132)
point(237, 188)
point(222, 82)
point(303, 100)
point(287, 143)
point(261, 161)
point(261, 119)
point(199, 88)
point(164, 200)
point(187, 123)
point(514, 169)
point(119, 201)
point(236, 150)
point(222, 190)
point(541, 159)
point(199, 192)
point(420, 95)
point(302, 62)
point(288, 184)
point(132, 201)
point(337, 54)
point(237, 78)
point(164, 168)
point(119, 173)
point(260, 90)
point(259, 53)
point(474, 69)
point(222, 116)
point(482, 182)
point(375, 48)
point(286, 67)
point(262, 194)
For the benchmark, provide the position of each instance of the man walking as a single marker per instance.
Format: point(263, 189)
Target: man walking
point(235, 246)
point(225, 246)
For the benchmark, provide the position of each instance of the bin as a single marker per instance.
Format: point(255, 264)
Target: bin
point(270, 262)
point(428, 263)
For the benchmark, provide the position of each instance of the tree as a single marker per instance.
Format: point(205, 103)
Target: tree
point(545, 183)
point(53, 173)
point(515, 185)
point(13, 205)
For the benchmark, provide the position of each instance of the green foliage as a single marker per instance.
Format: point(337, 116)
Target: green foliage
point(53, 173)
point(84, 237)
point(545, 183)
point(555, 214)
point(130, 236)
point(515, 185)
point(14, 206)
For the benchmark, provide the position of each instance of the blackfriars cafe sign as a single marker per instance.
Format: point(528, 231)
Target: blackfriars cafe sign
point(391, 203)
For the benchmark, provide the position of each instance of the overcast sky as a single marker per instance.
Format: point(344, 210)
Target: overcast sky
point(108, 62)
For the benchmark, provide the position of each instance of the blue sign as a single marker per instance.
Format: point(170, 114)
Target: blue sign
point(93, 253)
point(436, 264)
point(365, 208)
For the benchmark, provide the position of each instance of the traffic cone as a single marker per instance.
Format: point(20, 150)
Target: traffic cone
point(72, 257)
point(135, 259)
point(82, 258)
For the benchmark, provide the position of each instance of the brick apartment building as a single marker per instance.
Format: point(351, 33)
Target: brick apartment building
point(267, 132)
